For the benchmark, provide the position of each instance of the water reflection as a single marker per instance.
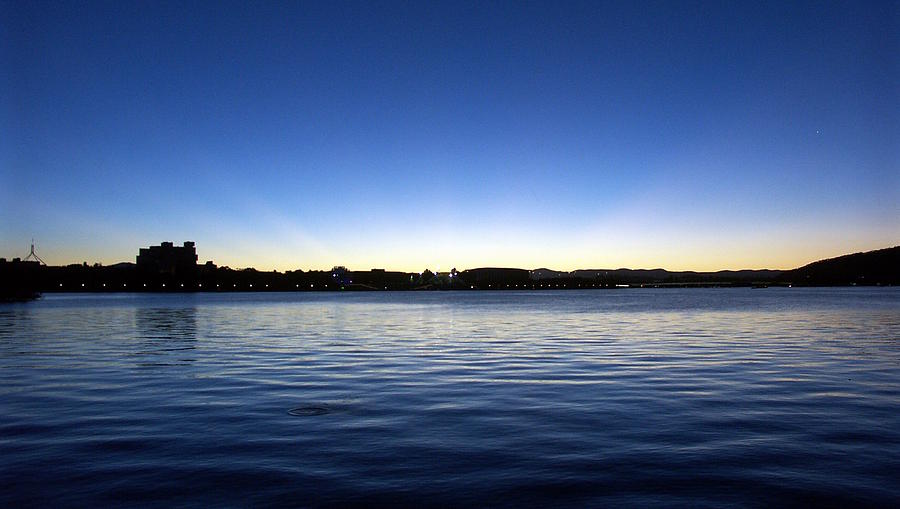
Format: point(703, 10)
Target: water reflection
point(12, 342)
point(462, 399)
point(10, 321)
point(166, 336)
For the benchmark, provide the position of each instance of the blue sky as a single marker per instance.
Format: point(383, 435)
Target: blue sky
point(681, 135)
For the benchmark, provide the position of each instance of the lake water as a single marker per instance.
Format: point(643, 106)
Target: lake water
point(638, 397)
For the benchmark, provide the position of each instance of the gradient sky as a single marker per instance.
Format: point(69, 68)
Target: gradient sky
point(680, 135)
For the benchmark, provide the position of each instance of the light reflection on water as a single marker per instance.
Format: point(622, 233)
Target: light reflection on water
point(665, 397)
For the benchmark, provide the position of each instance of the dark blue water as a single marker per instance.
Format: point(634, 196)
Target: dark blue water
point(693, 397)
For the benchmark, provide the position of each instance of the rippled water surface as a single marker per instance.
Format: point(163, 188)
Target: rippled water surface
point(694, 397)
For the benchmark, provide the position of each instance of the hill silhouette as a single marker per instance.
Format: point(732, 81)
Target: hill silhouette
point(24, 279)
point(880, 267)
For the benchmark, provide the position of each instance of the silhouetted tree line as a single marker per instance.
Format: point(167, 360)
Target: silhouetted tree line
point(20, 280)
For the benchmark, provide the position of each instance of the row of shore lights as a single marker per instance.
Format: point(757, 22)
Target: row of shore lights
point(548, 285)
point(200, 285)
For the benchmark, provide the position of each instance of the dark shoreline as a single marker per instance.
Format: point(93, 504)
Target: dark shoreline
point(24, 280)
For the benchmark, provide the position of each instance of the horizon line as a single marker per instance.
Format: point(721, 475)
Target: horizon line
point(438, 271)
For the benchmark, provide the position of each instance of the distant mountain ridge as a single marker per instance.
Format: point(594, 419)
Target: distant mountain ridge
point(659, 276)
point(879, 267)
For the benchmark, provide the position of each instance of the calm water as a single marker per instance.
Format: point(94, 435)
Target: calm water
point(695, 397)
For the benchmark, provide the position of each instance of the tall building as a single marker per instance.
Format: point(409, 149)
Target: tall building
point(167, 258)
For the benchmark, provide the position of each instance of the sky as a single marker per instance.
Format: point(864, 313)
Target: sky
point(405, 135)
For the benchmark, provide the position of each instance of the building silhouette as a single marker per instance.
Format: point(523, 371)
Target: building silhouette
point(168, 259)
